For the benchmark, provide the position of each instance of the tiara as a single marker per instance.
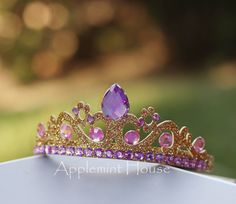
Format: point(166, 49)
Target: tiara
point(122, 135)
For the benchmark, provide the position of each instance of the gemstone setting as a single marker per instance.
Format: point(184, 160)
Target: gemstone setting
point(129, 155)
point(119, 154)
point(132, 137)
point(198, 144)
point(96, 134)
point(109, 153)
point(139, 155)
point(156, 117)
point(70, 151)
point(88, 152)
point(75, 110)
point(90, 119)
point(66, 131)
point(41, 130)
point(98, 152)
point(141, 122)
point(166, 139)
point(79, 151)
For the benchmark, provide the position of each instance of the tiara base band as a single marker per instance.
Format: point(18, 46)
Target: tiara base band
point(184, 162)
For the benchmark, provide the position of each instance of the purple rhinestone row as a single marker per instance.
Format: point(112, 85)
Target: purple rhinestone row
point(128, 155)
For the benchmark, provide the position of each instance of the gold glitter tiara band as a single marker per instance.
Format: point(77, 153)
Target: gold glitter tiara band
point(82, 135)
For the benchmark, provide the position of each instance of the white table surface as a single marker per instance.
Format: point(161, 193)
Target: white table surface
point(40, 179)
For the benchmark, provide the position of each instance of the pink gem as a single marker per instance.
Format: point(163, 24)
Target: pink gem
point(156, 117)
point(132, 137)
point(198, 144)
point(96, 134)
point(41, 130)
point(66, 131)
point(166, 139)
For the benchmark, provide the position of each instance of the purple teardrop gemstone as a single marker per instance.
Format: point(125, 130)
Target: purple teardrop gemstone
point(115, 103)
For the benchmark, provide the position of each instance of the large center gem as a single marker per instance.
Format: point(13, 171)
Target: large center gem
point(115, 103)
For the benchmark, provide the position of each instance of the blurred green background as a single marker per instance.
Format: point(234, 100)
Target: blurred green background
point(178, 57)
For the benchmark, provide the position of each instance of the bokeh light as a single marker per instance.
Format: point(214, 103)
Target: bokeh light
point(10, 25)
point(37, 15)
point(99, 12)
point(64, 43)
point(46, 64)
point(59, 16)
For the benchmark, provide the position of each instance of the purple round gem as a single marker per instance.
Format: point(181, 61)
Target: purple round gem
point(141, 122)
point(185, 162)
point(156, 117)
point(61, 150)
point(88, 152)
point(129, 155)
point(119, 154)
point(79, 151)
point(201, 165)
point(54, 149)
point(177, 161)
point(70, 151)
point(159, 158)
point(98, 152)
point(41, 130)
point(42, 149)
point(90, 119)
point(96, 134)
point(115, 103)
point(171, 158)
point(149, 156)
point(139, 155)
point(48, 149)
point(192, 163)
point(109, 153)
point(75, 110)
point(166, 159)
point(39, 150)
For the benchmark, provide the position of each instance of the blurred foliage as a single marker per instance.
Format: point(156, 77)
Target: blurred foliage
point(46, 38)
point(199, 33)
point(41, 39)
